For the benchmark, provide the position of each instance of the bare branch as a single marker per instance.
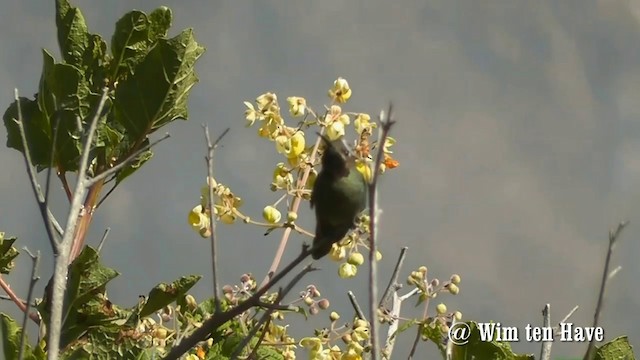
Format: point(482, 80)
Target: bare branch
point(32, 283)
point(125, 162)
point(212, 218)
point(356, 306)
point(47, 217)
point(266, 317)
point(219, 319)
point(104, 238)
point(564, 320)
point(64, 247)
point(613, 237)
point(386, 122)
point(393, 281)
point(545, 350)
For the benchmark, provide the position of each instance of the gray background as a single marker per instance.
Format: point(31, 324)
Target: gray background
point(518, 139)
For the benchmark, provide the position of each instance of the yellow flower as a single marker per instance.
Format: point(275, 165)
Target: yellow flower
point(356, 259)
point(282, 177)
point(335, 122)
point(267, 101)
point(363, 122)
point(441, 309)
point(290, 145)
point(192, 357)
point(271, 214)
point(350, 355)
point(297, 106)
point(389, 142)
point(337, 252)
point(347, 270)
point(312, 343)
point(364, 169)
point(340, 91)
point(199, 220)
point(250, 114)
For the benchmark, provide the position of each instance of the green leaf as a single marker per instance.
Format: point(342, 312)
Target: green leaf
point(85, 302)
point(36, 128)
point(618, 348)
point(164, 294)
point(87, 277)
point(7, 253)
point(11, 334)
point(135, 34)
point(157, 92)
point(404, 327)
point(96, 63)
point(63, 99)
point(133, 166)
point(73, 37)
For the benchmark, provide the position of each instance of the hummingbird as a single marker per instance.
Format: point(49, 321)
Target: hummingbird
point(339, 196)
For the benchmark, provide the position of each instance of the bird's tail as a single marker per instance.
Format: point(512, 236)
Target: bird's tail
point(326, 236)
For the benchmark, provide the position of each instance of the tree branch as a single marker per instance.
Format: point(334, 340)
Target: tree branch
point(47, 217)
point(264, 320)
point(64, 247)
point(219, 319)
point(294, 208)
point(613, 237)
point(212, 217)
point(356, 306)
point(32, 283)
point(386, 122)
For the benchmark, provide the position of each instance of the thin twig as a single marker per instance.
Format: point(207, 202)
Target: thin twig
point(32, 283)
point(613, 236)
point(47, 186)
point(425, 312)
point(47, 216)
point(386, 122)
point(390, 342)
point(62, 258)
point(104, 238)
point(545, 350)
point(393, 281)
point(392, 292)
point(564, 320)
point(356, 306)
point(266, 317)
point(90, 182)
point(211, 147)
point(219, 319)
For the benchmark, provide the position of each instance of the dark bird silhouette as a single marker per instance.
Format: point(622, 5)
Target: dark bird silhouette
point(339, 195)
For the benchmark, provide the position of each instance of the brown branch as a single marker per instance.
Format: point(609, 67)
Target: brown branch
point(386, 122)
point(220, 319)
point(32, 283)
point(294, 208)
point(613, 236)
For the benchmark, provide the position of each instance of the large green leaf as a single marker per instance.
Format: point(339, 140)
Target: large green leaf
point(63, 99)
point(11, 335)
point(164, 294)
point(157, 92)
point(618, 348)
point(36, 128)
point(135, 33)
point(73, 37)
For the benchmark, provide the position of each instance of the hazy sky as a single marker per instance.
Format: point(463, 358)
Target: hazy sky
point(518, 138)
